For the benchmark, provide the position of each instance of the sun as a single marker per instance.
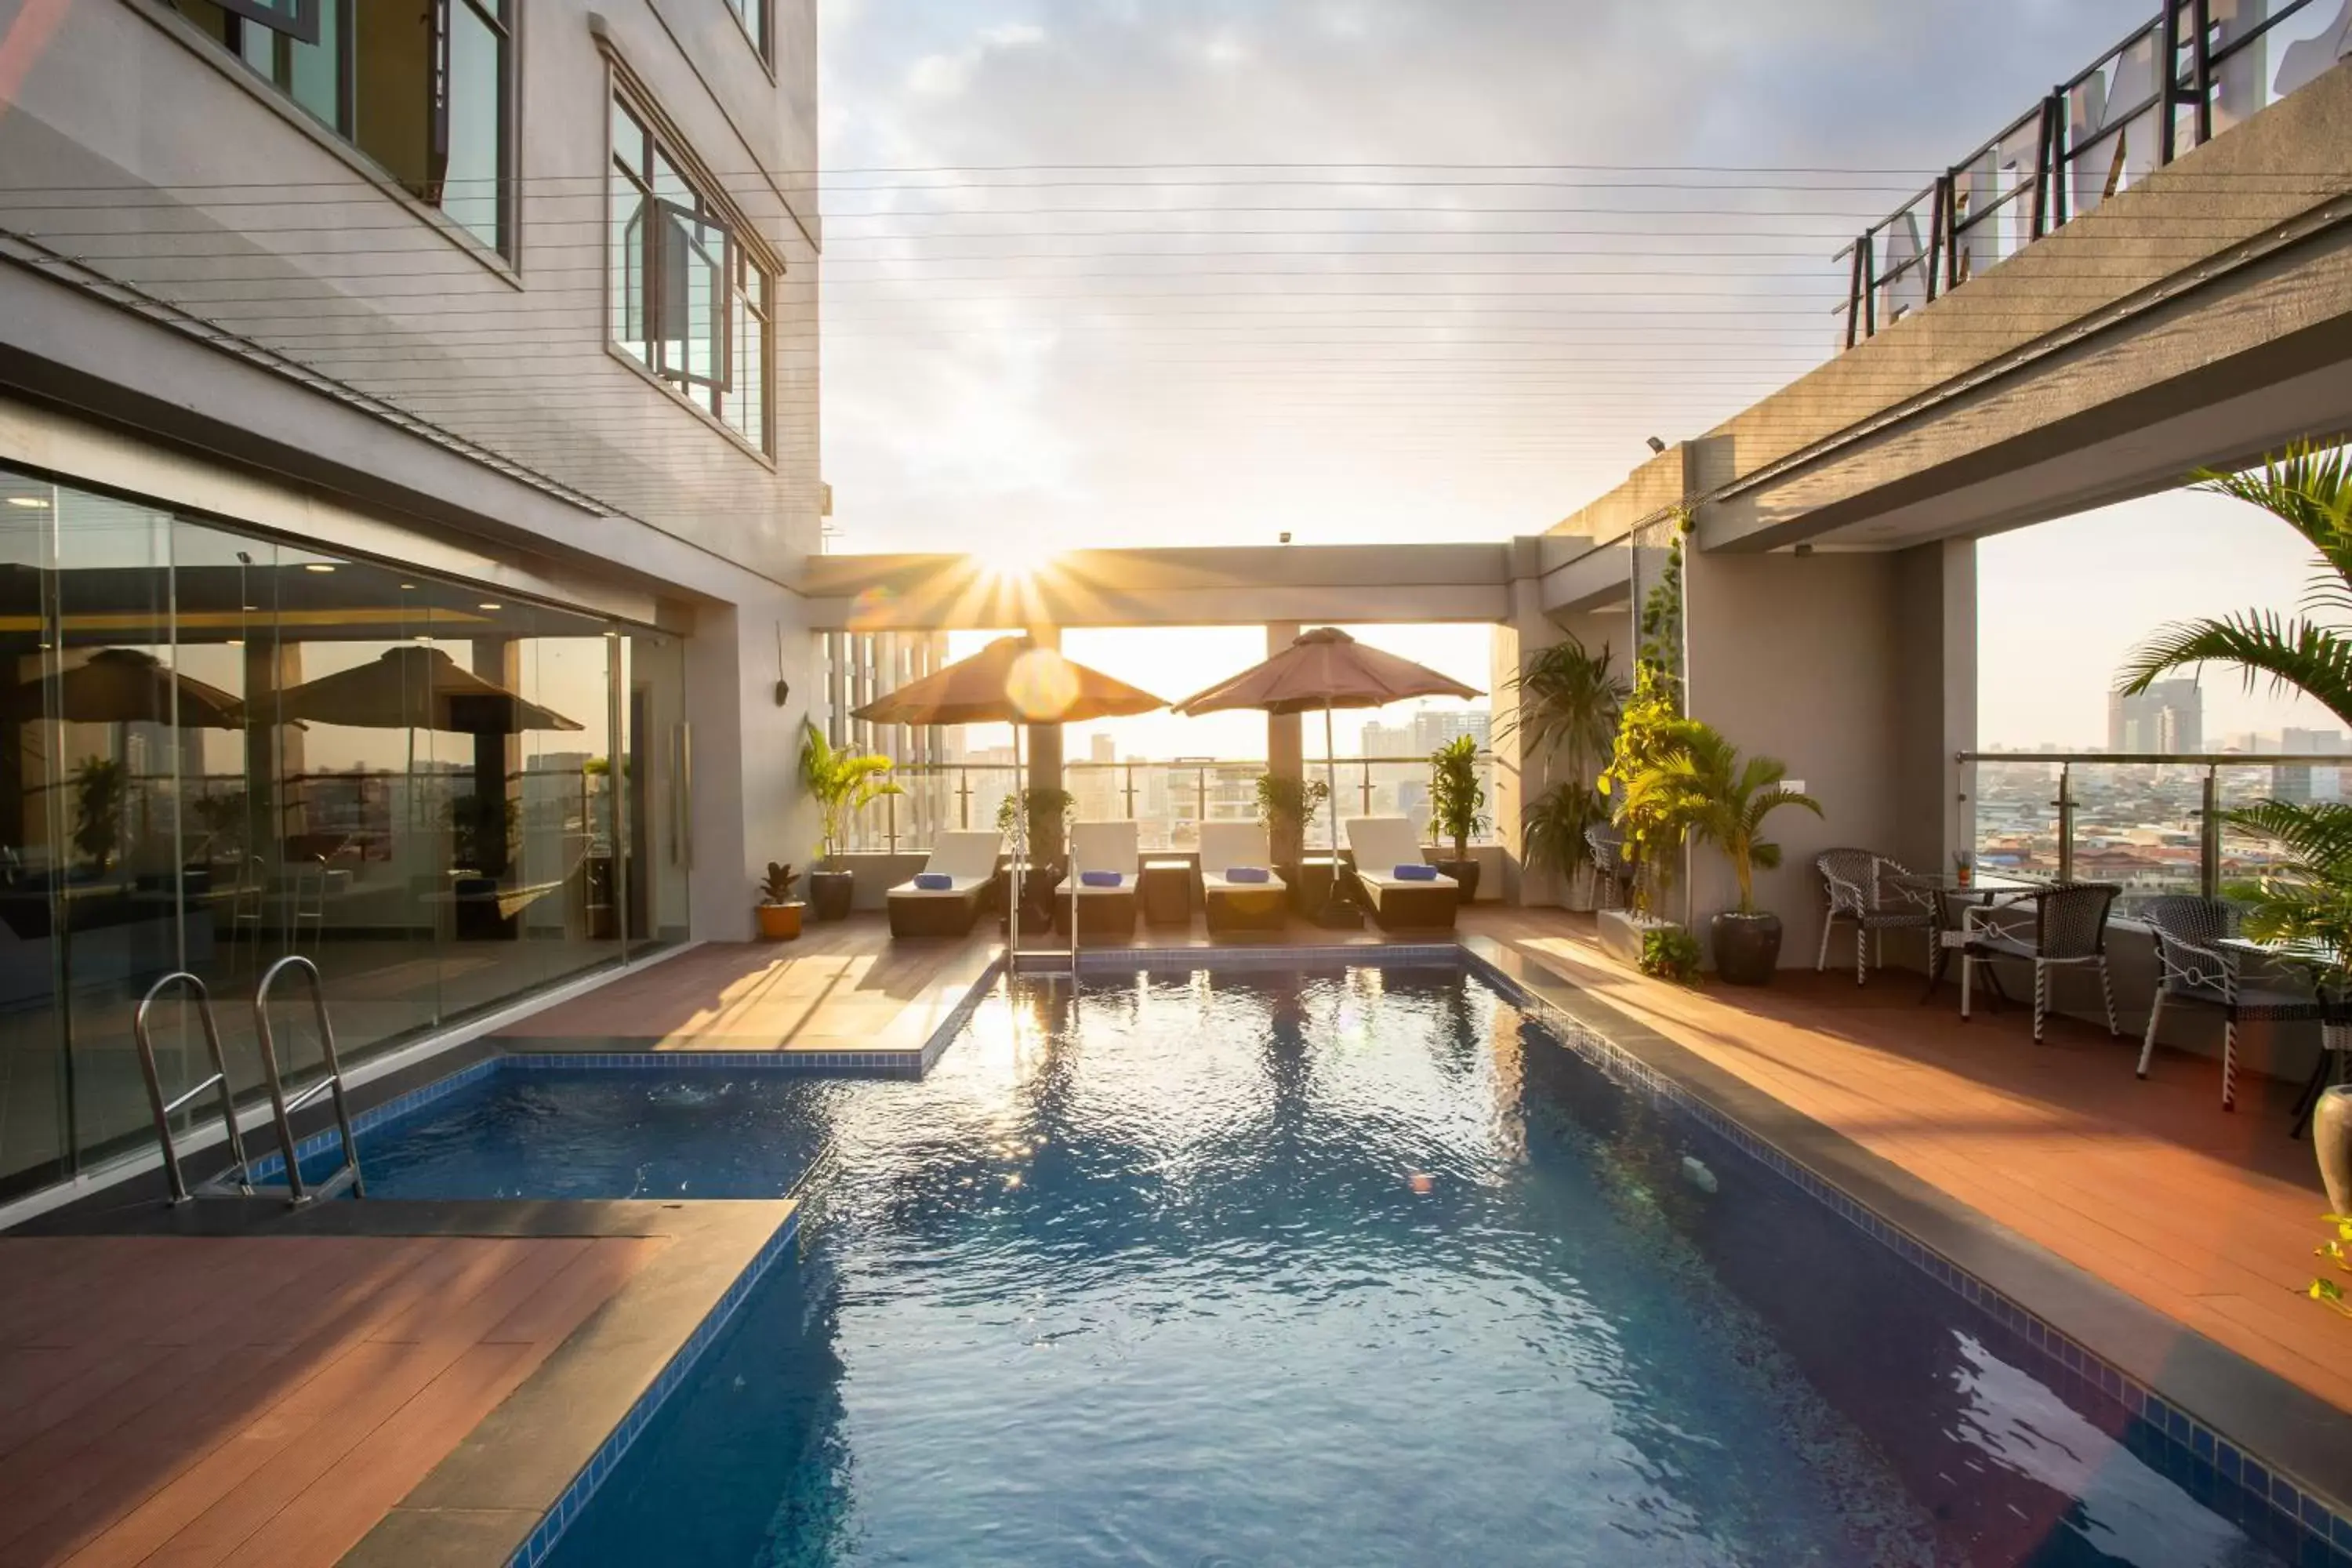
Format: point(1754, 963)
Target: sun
point(1011, 559)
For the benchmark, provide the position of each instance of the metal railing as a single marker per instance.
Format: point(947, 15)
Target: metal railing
point(2098, 132)
point(1168, 800)
point(2153, 824)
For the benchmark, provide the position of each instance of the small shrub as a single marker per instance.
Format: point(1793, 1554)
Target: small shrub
point(776, 888)
point(1670, 952)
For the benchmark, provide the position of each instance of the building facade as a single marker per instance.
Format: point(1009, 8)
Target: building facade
point(407, 429)
point(2167, 719)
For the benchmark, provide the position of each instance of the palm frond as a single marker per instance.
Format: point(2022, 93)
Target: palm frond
point(2317, 833)
point(2308, 487)
point(2296, 655)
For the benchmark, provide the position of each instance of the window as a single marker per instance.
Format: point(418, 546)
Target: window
point(423, 89)
point(691, 299)
point(754, 15)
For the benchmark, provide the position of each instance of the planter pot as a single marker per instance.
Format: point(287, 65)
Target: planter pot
point(830, 892)
point(1747, 947)
point(1622, 932)
point(780, 922)
point(2331, 1137)
point(1465, 872)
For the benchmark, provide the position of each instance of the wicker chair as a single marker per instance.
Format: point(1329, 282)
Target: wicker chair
point(2191, 966)
point(1862, 889)
point(2070, 927)
point(1612, 874)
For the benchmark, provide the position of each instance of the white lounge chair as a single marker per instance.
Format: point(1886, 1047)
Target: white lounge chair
point(1106, 849)
point(1380, 845)
point(968, 861)
point(1253, 905)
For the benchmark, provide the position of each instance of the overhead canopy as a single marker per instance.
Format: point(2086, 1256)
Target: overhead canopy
point(1325, 669)
point(1011, 681)
point(124, 686)
point(416, 687)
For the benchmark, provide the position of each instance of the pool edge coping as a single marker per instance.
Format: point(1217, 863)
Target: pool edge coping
point(576, 1418)
point(2294, 1434)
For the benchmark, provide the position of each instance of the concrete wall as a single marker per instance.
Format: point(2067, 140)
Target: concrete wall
point(345, 274)
point(1801, 657)
point(484, 427)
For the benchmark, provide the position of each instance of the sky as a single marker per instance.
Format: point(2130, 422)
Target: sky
point(1205, 271)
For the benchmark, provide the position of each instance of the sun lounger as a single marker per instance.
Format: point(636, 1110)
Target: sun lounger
point(1247, 903)
point(1421, 899)
point(967, 863)
point(1107, 869)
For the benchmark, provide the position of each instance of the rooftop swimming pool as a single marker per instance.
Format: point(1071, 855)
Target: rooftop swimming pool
point(1350, 1267)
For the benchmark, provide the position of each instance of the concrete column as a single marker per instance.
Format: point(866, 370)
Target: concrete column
point(1285, 749)
point(1937, 797)
point(1045, 746)
point(497, 758)
point(273, 752)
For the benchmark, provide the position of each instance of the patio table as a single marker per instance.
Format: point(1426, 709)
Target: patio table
point(1947, 934)
point(2335, 1015)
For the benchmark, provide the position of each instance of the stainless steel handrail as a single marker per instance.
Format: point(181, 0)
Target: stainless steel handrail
point(164, 1108)
point(280, 1108)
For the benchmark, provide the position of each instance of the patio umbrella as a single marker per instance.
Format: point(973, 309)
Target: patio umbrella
point(1013, 681)
point(417, 687)
point(1325, 669)
point(123, 686)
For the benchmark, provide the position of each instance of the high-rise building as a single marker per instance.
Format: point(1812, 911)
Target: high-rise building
point(2309, 783)
point(1386, 741)
point(2167, 719)
point(1435, 727)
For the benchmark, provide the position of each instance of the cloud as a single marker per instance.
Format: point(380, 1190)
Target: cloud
point(1103, 355)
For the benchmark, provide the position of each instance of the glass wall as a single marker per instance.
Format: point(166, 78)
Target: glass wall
point(218, 750)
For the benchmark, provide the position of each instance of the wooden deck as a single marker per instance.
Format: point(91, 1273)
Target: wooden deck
point(2209, 1217)
point(268, 1399)
point(843, 986)
point(190, 1400)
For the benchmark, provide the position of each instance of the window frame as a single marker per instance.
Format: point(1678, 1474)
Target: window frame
point(746, 270)
point(758, 20)
point(502, 18)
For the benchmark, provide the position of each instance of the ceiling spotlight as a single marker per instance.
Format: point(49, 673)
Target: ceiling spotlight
point(237, 642)
point(31, 503)
point(485, 605)
point(1656, 445)
point(317, 566)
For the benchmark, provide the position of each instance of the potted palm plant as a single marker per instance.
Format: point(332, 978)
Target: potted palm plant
point(1569, 701)
point(1457, 808)
point(1287, 807)
point(2307, 900)
point(1701, 786)
point(1047, 809)
point(842, 784)
point(779, 911)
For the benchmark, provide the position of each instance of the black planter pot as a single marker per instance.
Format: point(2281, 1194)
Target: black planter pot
point(830, 892)
point(1747, 947)
point(1465, 872)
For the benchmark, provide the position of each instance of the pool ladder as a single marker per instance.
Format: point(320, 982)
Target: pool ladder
point(239, 1173)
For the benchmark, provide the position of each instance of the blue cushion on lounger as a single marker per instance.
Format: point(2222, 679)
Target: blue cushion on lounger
point(1417, 873)
point(1248, 874)
point(934, 881)
point(1100, 879)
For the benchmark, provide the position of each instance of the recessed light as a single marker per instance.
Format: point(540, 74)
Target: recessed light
point(424, 636)
point(408, 587)
point(31, 503)
point(489, 606)
point(317, 566)
point(611, 634)
point(237, 642)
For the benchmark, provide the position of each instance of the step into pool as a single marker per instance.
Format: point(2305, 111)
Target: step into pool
point(1359, 1265)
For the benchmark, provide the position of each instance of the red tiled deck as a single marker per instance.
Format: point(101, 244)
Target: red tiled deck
point(192, 1400)
point(2211, 1218)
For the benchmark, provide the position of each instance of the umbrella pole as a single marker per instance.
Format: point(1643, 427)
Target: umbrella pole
point(1020, 854)
point(1331, 803)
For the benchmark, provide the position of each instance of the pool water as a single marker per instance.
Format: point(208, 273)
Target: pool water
point(1350, 1267)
